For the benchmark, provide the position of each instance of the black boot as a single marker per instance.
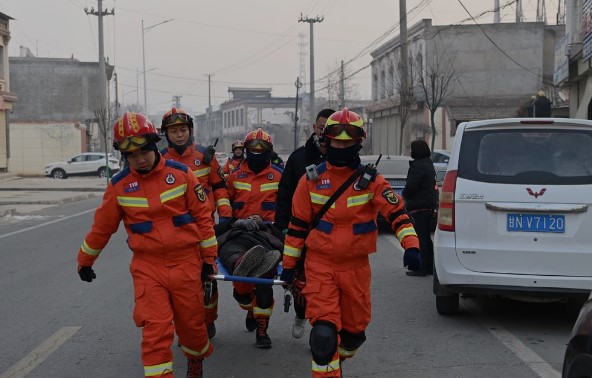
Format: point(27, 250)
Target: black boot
point(194, 367)
point(250, 321)
point(263, 340)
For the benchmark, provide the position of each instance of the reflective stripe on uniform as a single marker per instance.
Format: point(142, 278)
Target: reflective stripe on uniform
point(158, 370)
point(346, 353)
point(132, 201)
point(242, 185)
point(291, 251)
point(195, 352)
point(407, 231)
point(359, 200)
point(173, 193)
point(247, 307)
point(208, 242)
point(201, 172)
point(332, 366)
point(222, 202)
point(88, 250)
point(320, 199)
point(270, 186)
point(266, 312)
point(211, 305)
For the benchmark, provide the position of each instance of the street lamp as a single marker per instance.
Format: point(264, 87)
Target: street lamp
point(144, 30)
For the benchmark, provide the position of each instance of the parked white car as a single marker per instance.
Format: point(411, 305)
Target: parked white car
point(515, 212)
point(88, 163)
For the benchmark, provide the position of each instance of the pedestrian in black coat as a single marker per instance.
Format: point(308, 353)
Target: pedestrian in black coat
point(421, 199)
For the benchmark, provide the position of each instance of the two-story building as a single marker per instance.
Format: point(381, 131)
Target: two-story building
point(6, 96)
point(493, 69)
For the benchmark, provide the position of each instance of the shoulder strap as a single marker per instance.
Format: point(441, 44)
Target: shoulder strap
point(336, 195)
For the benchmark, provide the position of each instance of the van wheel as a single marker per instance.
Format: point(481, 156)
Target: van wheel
point(447, 304)
point(446, 301)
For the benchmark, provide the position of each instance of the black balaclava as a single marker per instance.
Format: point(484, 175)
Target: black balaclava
point(151, 146)
point(419, 149)
point(177, 147)
point(258, 162)
point(344, 157)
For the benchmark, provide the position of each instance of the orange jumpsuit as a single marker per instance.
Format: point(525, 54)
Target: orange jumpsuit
point(231, 164)
point(254, 193)
point(337, 266)
point(168, 219)
point(211, 178)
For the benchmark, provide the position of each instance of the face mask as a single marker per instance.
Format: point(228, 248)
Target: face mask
point(258, 162)
point(341, 157)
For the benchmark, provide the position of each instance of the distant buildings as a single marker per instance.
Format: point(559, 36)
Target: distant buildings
point(6, 96)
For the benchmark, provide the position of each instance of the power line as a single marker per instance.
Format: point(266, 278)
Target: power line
point(496, 45)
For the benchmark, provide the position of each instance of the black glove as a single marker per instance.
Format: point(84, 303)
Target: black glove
point(287, 276)
point(412, 259)
point(86, 273)
point(209, 154)
point(207, 270)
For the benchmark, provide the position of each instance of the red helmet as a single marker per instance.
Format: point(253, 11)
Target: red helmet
point(258, 140)
point(238, 144)
point(176, 116)
point(133, 131)
point(345, 125)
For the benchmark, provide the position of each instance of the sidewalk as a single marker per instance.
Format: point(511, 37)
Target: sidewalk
point(23, 195)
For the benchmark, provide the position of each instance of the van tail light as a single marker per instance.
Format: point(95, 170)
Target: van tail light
point(446, 211)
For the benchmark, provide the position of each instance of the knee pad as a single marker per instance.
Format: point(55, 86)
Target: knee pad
point(323, 342)
point(244, 299)
point(352, 341)
point(264, 296)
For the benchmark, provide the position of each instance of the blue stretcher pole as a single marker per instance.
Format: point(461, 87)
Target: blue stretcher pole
point(253, 280)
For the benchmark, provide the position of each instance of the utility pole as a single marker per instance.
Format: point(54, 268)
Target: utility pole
point(342, 87)
point(144, 30)
point(102, 72)
point(102, 77)
point(177, 100)
point(496, 12)
point(117, 105)
point(311, 22)
point(209, 92)
point(403, 68)
point(298, 85)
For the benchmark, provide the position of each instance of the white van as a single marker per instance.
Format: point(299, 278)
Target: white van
point(515, 216)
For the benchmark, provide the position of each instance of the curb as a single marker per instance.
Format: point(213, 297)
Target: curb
point(11, 211)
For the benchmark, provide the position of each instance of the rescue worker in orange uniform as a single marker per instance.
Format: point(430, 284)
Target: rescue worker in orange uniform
point(167, 217)
point(337, 268)
point(238, 155)
point(177, 126)
point(253, 190)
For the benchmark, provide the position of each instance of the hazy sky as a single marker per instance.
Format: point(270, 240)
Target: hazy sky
point(241, 43)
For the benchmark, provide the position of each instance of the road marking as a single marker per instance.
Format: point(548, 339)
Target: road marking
point(39, 354)
point(46, 224)
point(535, 362)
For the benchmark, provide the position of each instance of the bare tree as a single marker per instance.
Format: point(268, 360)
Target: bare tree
point(102, 117)
point(434, 81)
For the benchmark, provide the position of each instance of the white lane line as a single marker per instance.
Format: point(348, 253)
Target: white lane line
point(46, 224)
point(524, 353)
point(39, 354)
point(535, 362)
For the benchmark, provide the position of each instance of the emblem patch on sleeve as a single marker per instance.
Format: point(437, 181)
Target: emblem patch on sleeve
point(390, 196)
point(200, 192)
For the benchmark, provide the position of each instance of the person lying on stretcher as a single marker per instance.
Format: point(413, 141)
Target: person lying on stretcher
point(249, 248)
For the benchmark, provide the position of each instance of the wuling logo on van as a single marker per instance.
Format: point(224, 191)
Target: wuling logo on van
point(536, 194)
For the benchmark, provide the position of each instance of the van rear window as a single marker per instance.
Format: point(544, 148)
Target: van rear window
point(527, 156)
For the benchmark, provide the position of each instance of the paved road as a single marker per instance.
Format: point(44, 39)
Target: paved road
point(55, 325)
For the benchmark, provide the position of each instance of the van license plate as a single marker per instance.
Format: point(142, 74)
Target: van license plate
point(536, 223)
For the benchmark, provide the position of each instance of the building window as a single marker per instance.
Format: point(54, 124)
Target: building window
point(2, 77)
point(242, 117)
point(383, 85)
point(375, 87)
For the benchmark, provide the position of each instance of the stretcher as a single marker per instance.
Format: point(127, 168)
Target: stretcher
point(224, 275)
